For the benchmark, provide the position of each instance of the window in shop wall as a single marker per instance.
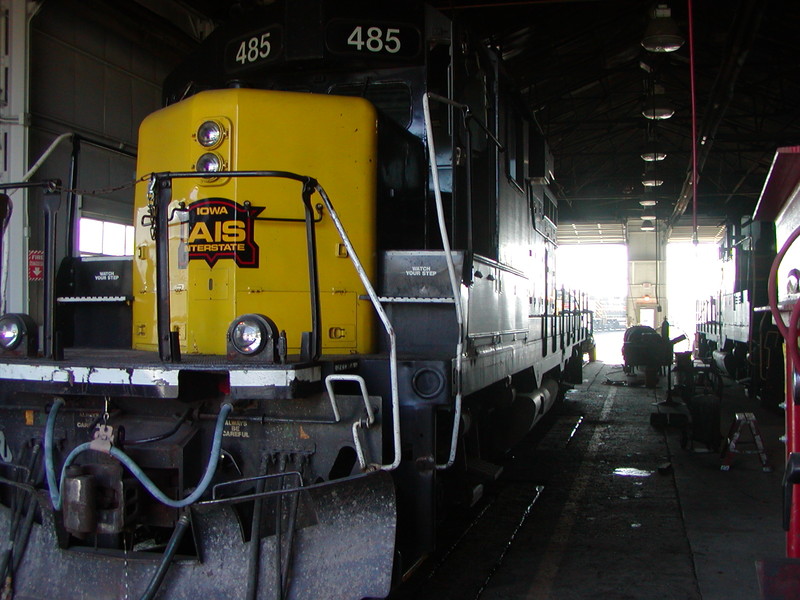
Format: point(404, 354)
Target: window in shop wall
point(105, 238)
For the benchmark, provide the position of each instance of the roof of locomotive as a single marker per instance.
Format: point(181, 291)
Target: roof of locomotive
point(294, 36)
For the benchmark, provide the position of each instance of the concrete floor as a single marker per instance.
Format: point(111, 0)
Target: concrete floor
point(602, 505)
point(633, 515)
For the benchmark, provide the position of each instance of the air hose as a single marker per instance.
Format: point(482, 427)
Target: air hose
point(166, 559)
point(152, 488)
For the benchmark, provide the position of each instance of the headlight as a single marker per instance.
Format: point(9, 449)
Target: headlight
point(10, 333)
point(16, 329)
point(209, 162)
point(248, 337)
point(209, 134)
point(252, 334)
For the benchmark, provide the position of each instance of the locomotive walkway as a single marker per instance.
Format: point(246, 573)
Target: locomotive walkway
point(599, 504)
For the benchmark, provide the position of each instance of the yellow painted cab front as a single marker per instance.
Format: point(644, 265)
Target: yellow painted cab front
point(238, 244)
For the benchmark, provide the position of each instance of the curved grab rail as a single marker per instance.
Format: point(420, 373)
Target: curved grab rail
point(387, 325)
point(451, 270)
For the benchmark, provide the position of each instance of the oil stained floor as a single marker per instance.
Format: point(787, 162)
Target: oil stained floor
point(599, 504)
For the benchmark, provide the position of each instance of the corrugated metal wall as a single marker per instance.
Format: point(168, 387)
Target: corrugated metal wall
point(89, 79)
point(96, 70)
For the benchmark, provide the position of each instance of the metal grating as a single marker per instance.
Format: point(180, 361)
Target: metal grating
point(705, 233)
point(615, 233)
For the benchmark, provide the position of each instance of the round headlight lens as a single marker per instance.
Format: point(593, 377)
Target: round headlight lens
point(209, 163)
point(10, 333)
point(253, 334)
point(209, 134)
point(248, 336)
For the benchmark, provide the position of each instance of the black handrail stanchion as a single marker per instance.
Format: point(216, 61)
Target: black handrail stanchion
point(313, 275)
point(161, 187)
point(5, 217)
point(72, 198)
point(161, 190)
point(51, 202)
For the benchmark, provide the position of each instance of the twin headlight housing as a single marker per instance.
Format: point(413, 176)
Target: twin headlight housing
point(210, 135)
point(19, 334)
point(210, 162)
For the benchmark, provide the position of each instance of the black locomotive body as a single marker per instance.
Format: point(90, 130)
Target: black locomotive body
point(735, 328)
point(342, 308)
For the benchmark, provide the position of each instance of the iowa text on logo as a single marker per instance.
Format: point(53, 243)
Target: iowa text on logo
point(220, 228)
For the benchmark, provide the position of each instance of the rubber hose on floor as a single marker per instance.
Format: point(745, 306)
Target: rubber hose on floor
point(166, 560)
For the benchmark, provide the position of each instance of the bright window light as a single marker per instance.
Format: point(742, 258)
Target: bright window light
point(596, 269)
point(91, 236)
point(113, 239)
point(104, 238)
point(601, 271)
point(693, 273)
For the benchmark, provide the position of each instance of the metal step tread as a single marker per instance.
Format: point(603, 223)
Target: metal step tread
point(414, 300)
point(483, 469)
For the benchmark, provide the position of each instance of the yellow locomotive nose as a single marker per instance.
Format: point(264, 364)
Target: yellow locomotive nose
point(238, 245)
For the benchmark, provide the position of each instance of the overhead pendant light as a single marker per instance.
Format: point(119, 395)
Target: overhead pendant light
point(647, 199)
point(656, 106)
point(651, 178)
point(648, 217)
point(661, 34)
point(648, 225)
point(652, 153)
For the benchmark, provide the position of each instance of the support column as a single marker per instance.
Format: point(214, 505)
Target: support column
point(14, 29)
point(647, 275)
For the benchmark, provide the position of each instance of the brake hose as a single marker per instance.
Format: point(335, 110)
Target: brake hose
point(152, 488)
point(166, 560)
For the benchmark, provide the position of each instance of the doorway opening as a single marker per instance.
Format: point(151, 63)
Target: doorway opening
point(601, 271)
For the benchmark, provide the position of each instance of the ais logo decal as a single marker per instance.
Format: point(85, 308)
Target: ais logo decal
point(220, 228)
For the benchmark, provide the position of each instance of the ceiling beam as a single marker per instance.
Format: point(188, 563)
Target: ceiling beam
point(192, 22)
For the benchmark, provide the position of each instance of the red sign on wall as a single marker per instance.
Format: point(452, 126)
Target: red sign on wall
point(36, 265)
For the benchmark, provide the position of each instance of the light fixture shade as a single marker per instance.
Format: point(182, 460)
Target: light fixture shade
point(651, 178)
point(658, 113)
point(652, 153)
point(648, 226)
point(656, 106)
point(662, 33)
point(648, 217)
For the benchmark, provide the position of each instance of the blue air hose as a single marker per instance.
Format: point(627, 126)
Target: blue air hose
point(152, 488)
point(50, 471)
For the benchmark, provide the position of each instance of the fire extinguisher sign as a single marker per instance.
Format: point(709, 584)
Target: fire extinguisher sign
point(36, 265)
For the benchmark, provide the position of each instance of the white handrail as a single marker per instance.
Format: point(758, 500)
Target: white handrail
point(454, 284)
point(358, 423)
point(387, 325)
point(46, 154)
